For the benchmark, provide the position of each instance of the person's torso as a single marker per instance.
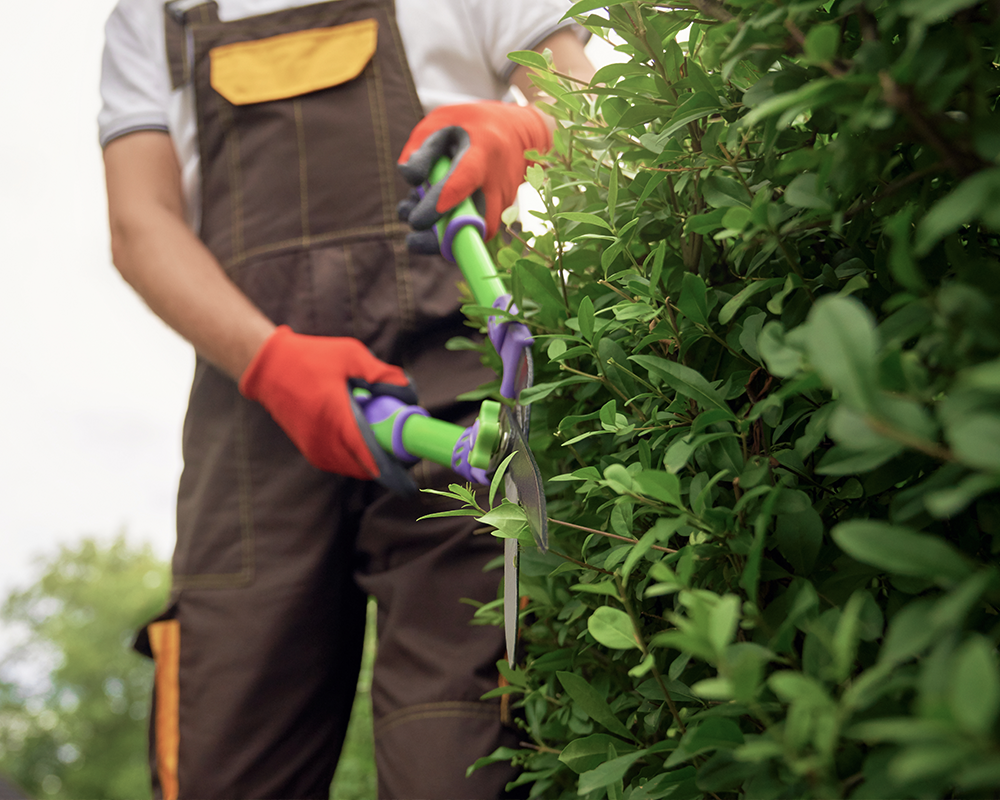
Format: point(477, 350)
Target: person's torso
point(301, 113)
point(442, 50)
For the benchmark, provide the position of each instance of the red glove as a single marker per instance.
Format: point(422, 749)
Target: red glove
point(305, 383)
point(486, 143)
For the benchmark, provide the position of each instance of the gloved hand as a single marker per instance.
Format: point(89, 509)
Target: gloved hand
point(486, 143)
point(305, 384)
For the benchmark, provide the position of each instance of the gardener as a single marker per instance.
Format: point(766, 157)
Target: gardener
point(250, 153)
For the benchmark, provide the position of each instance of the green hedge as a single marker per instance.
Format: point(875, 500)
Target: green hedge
point(768, 407)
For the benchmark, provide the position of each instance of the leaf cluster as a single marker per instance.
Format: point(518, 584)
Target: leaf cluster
point(765, 291)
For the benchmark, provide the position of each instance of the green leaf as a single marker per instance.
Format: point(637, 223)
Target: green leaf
point(781, 358)
point(529, 58)
point(608, 773)
point(847, 461)
point(539, 285)
point(797, 687)
point(984, 376)
point(591, 703)
point(614, 363)
point(693, 302)
point(853, 429)
point(499, 755)
point(725, 773)
point(722, 622)
point(556, 349)
point(932, 11)
point(542, 390)
point(723, 192)
point(911, 630)
point(777, 302)
point(737, 218)
point(585, 314)
point(643, 667)
point(965, 203)
point(980, 775)
point(728, 311)
point(612, 628)
point(821, 43)
point(750, 334)
point(706, 223)
point(685, 381)
point(606, 588)
point(535, 176)
point(947, 502)
point(901, 551)
point(589, 752)
point(662, 486)
point(610, 421)
point(714, 733)
point(512, 675)
point(842, 344)
point(683, 447)
point(629, 311)
point(794, 101)
point(508, 519)
point(699, 106)
point(588, 219)
point(901, 729)
point(799, 537)
point(975, 439)
point(583, 6)
point(613, 194)
point(928, 761)
point(805, 192)
point(844, 645)
point(974, 694)
point(498, 477)
point(698, 79)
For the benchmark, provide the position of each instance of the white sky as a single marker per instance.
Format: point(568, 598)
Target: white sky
point(92, 385)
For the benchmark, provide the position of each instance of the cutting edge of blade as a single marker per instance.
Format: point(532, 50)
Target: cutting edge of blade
point(511, 599)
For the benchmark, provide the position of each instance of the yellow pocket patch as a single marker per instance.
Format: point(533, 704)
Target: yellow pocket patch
point(292, 64)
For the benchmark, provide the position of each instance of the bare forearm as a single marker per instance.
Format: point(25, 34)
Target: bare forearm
point(169, 267)
point(183, 284)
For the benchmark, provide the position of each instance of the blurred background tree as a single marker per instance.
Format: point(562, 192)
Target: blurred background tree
point(74, 696)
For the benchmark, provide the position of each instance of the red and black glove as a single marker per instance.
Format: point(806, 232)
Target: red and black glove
point(486, 143)
point(305, 383)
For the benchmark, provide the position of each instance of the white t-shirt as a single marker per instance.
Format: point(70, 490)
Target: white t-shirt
point(457, 51)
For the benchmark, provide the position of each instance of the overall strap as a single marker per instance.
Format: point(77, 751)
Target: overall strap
point(177, 16)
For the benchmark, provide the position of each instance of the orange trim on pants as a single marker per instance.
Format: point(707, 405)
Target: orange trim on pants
point(165, 642)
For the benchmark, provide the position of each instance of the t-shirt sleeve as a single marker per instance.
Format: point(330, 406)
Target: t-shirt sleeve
point(135, 85)
point(510, 25)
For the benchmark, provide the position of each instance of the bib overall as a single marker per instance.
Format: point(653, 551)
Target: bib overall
point(301, 115)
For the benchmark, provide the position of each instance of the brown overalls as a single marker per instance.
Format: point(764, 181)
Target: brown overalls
point(257, 656)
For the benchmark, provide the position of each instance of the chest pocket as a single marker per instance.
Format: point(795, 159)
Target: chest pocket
point(292, 64)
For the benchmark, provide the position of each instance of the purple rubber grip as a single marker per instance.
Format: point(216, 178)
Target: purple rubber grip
point(380, 408)
point(460, 456)
point(510, 339)
point(451, 231)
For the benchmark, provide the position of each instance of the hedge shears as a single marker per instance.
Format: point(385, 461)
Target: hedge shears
point(403, 434)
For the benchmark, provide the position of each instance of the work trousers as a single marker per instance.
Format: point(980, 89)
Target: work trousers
point(257, 655)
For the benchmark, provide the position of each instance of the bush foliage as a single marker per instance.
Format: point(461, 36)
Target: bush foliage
point(74, 696)
point(768, 374)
